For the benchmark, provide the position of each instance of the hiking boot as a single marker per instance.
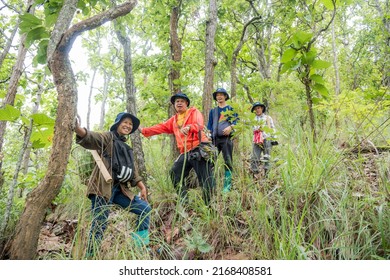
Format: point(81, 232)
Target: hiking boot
point(227, 182)
point(141, 238)
point(265, 158)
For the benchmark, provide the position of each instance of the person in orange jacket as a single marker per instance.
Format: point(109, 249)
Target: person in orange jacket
point(187, 124)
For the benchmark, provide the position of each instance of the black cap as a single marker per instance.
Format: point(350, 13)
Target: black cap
point(221, 90)
point(119, 118)
point(180, 95)
point(256, 104)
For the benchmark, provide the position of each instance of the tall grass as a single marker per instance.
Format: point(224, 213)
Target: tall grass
point(316, 203)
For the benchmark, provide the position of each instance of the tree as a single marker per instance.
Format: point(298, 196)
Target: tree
point(210, 61)
point(22, 162)
point(130, 94)
point(8, 42)
point(25, 240)
point(301, 56)
point(176, 56)
point(233, 68)
point(14, 81)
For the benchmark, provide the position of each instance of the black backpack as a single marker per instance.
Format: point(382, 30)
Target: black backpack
point(122, 161)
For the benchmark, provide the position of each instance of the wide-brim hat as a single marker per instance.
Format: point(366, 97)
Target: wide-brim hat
point(180, 95)
point(221, 90)
point(121, 116)
point(257, 104)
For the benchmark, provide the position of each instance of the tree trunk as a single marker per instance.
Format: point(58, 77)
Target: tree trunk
point(26, 156)
point(25, 241)
point(211, 62)
point(11, 190)
point(131, 105)
point(309, 102)
point(107, 79)
point(233, 67)
point(336, 74)
point(90, 97)
point(9, 43)
point(386, 24)
point(13, 84)
point(174, 75)
point(176, 52)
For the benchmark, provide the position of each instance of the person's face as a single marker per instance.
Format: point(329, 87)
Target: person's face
point(258, 110)
point(220, 97)
point(181, 105)
point(125, 127)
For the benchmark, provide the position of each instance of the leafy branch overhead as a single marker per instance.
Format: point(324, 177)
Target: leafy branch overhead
point(301, 57)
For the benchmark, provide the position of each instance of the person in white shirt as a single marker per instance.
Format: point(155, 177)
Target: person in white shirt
point(262, 138)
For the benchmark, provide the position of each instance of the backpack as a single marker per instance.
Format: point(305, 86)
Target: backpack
point(122, 161)
point(218, 127)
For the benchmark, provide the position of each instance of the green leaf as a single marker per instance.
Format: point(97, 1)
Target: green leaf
point(316, 100)
point(36, 34)
point(309, 57)
point(42, 51)
point(28, 22)
point(327, 3)
point(42, 137)
point(301, 38)
point(321, 64)
point(26, 121)
point(318, 79)
point(287, 66)
point(288, 55)
point(42, 119)
point(297, 64)
point(9, 113)
point(205, 248)
point(321, 89)
point(51, 19)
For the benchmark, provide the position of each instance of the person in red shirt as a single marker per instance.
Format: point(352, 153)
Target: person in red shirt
point(186, 125)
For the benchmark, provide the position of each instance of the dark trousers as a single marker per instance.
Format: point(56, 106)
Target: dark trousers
point(203, 169)
point(101, 210)
point(225, 145)
point(257, 151)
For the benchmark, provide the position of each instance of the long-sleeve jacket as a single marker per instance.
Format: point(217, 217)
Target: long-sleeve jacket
point(218, 122)
point(103, 143)
point(194, 120)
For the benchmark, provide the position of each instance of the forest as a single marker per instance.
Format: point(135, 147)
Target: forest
point(321, 67)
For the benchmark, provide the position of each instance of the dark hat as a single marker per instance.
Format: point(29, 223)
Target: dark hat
point(179, 95)
point(256, 104)
point(221, 90)
point(119, 118)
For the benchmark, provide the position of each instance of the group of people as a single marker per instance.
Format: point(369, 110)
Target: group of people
point(187, 125)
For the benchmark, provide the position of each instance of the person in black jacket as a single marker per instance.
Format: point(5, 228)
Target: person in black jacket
point(117, 157)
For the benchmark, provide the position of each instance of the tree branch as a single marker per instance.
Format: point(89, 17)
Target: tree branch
point(70, 36)
point(326, 27)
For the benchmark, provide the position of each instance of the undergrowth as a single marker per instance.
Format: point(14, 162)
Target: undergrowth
point(318, 203)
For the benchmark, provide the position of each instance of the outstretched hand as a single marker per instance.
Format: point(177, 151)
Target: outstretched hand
point(77, 128)
point(77, 121)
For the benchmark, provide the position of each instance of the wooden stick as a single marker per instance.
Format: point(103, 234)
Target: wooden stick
point(102, 167)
